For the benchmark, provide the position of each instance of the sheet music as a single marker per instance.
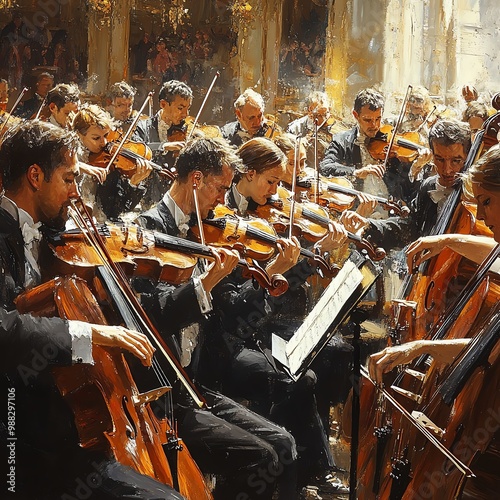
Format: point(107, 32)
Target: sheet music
point(343, 293)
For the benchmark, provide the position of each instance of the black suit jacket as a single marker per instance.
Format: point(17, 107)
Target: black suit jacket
point(47, 440)
point(396, 232)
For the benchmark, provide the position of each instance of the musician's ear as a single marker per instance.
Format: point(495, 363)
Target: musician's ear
point(196, 178)
point(355, 114)
point(35, 176)
point(250, 175)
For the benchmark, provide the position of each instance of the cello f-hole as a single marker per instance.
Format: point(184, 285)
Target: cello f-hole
point(429, 302)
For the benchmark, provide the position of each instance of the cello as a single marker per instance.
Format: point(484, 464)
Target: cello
point(125, 437)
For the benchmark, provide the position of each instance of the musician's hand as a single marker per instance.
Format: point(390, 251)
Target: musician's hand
point(97, 172)
point(423, 158)
point(376, 170)
point(425, 248)
point(354, 222)
point(387, 359)
point(367, 204)
point(143, 169)
point(173, 146)
point(123, 338)
point(288, 255)
point(335, 238)
point(224, 263)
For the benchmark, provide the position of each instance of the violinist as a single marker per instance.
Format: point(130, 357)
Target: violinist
point(61, 104)
point(29, 108)
point(475, 115)
point(483, 179)
point(116, 194)
point(165, 133)
point(40, 170)
point(229, 440)
point(250, 120)
point(418, 111)
point(120, 104)
point(318, 107)
point(450, 141)
point(252, 373)
point(348, 154)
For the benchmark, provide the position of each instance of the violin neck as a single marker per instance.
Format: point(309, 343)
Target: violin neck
point(407, 144)
point(182, 245)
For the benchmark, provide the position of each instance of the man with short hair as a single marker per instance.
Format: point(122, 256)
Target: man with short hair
point(450, 141)
point(250, 120)
point(165, 133)
point(62, 102)
point(29, 108)
point(348, 153)
point(120, 103)
point(39, 170)
point(318, 107)
point(230, 441)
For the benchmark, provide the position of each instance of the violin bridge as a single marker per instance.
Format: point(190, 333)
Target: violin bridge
point(414, 373)
point(428, 423)
point(407, 394)
point(153, 395)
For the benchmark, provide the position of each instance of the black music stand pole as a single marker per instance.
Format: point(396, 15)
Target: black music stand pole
point(356, 318)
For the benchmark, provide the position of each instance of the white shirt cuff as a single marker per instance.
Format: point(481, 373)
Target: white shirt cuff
point(204, 298)
point(81, 342)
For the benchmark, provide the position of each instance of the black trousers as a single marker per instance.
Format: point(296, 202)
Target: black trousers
point(254, 376)
point(82, 475)
point(250, 455)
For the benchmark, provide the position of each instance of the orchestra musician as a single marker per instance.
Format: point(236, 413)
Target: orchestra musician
point(483, 179)
point(450, 141)
point(417, 112)
point(318, 107)
point(39, 172)
point(250, 120)
point(120, 103)
point(165, 133)
point(348, 155)
point(249, 454)
point(62, 102)
point(251, 371)
point(115, 194)
point(29, 108)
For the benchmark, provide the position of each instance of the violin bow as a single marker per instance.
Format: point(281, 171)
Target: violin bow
point(398, 125)
point(129, 131)
point(18, 100)
point(87, 226)
point(294, 184)
point(428, 434)
point(217, 74)
point(37, 116)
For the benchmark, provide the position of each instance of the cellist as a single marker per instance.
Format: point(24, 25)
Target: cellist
point(484, 180)
point(39, 170)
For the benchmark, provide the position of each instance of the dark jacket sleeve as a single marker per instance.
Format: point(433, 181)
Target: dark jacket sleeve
point(339, 159)
point(117, 195)
point(28, 340)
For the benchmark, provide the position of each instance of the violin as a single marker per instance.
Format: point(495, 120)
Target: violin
point(271, 128)
point(310, 220)
point(126, 160)
point(147, 253)
point(344, 186)
point(405, 146)
point(188, 127)
point(227, 227)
